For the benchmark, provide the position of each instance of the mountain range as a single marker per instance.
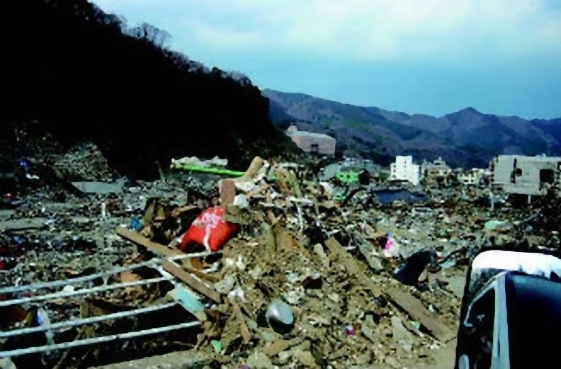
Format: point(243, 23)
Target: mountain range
point(466, 138)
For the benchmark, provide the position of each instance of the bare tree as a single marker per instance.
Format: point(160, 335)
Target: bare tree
point(151, 33)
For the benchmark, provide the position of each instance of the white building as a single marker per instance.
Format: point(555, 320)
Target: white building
point(437, 168)
point(470, 177)
point(404, 170)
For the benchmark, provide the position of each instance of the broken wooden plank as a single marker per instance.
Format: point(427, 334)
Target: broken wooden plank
point(352, 267)
point(227, 190)
point(243, 326)
point(189, 280)
point(253, 168)
point(137, 238)
point(201, 274)
point(416, 310)
point(155, 247)
point(177, 212)
point(285, 239)
point(189, 264)
point(412, 306)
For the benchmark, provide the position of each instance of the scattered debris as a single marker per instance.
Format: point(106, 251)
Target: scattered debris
point(263, 268)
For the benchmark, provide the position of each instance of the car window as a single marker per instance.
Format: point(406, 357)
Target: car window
point(481, 320)
point(534, 306)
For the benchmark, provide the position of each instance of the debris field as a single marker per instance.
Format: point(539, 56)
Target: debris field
point(271, 268)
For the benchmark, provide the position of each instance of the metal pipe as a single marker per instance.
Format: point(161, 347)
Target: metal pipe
point(77, 322)
point(113, 271)
point(71, 281)
point(90, 341)
point(82, 292)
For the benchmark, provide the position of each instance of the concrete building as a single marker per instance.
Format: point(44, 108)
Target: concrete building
point(525, 175)
point(404, 170)
point(470, 177)
point(312, 143)
point(435, 170)
point(349, 165)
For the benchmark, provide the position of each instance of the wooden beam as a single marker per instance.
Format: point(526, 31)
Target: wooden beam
point(189, 280)
point(413, 306)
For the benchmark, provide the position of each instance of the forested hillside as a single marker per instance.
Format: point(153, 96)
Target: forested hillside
point(81, 74)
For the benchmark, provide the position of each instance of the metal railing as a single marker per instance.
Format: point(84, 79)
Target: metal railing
point(181, 295)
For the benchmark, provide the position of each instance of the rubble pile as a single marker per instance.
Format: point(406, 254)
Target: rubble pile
point(70, 164)
point(270, 269)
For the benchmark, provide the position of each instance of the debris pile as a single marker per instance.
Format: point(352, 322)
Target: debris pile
point(268, 268)
point(70, 164)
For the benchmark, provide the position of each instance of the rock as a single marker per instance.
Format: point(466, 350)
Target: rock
point(306, 358)
point(259, 360)
point(401, 334)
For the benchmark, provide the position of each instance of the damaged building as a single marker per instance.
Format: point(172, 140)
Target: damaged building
point(438, 170)
point(312, 143)
point(525, 175)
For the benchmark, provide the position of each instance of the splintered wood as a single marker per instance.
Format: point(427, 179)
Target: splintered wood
point(190, 281)
point(227, 189)
point(179, 272)
point(410, 304)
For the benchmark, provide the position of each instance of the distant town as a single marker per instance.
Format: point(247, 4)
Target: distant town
point(511, 174)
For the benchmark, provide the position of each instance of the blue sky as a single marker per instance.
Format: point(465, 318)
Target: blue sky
point(416, 56)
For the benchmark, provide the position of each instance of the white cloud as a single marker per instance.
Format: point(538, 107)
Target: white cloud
point(362, 30)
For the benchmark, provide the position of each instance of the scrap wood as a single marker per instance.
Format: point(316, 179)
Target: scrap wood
point(282, 345)
point(257, 190)
point(272, 218)
point(201, 275)
point(283, 238)
point(154, 210)
point(415, 308)
point(234, 214)
point(177, 212)
point(157, 248)
point(191, 281)
point(407, 302)
point(352, 267)
point(227, 191)
point(243, 326)
point(128, 276)
point(254, 167)
point(165, 251)
point(64, 356)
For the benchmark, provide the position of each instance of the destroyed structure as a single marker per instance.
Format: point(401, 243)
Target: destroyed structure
point(404, 170)
point(525, 175)
point(312, 143)
point(472, 177)
point(438, 170)
point(257, 269)
point(350, 168)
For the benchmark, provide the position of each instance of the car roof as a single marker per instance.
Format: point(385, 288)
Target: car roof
point(539, 289)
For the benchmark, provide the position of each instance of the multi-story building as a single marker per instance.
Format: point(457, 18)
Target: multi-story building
point(404, 170)
point(470, 176)
point(435, 170)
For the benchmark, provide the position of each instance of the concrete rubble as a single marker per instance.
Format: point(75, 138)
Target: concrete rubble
point(317, 275)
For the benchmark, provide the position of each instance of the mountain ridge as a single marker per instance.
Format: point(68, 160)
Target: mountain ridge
point(467, 137)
